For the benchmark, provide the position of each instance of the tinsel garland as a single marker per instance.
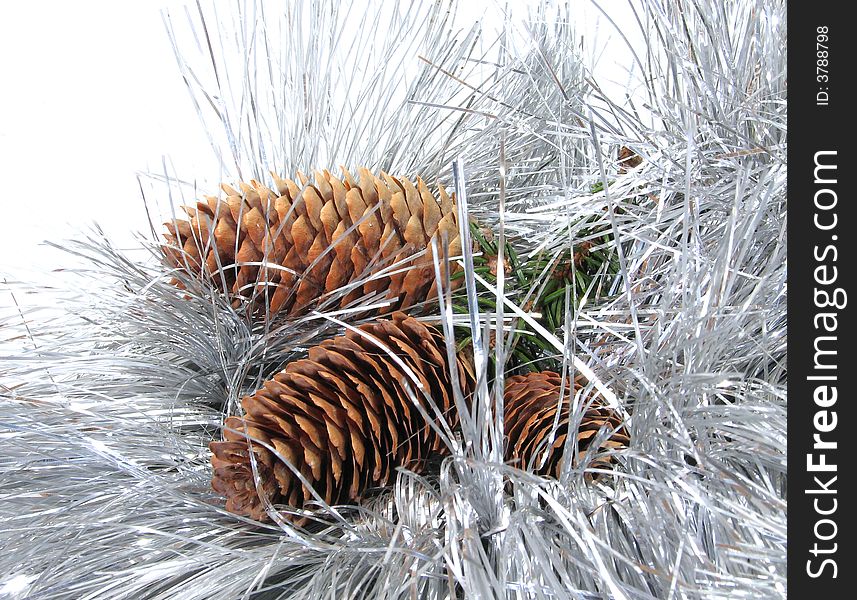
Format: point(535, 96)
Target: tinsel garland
point(114, 380)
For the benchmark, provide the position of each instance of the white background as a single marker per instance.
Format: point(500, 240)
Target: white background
point(91, 95)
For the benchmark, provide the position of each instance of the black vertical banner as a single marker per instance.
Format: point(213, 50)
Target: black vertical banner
point(821, 235)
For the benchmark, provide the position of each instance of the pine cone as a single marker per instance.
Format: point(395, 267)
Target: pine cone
point(531, 404)
point(341, 417)
point(628, 159)
point(288, 248)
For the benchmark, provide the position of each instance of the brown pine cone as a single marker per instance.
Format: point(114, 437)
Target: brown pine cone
point(531, 405)
point(341, 417)
point(283, 250)
point(628, 159)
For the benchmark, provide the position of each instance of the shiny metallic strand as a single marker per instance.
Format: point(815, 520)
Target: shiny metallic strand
point(112, 382)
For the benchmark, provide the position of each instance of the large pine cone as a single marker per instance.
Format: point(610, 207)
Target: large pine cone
point(284, 250)
point(531, 403)
point(341, 417)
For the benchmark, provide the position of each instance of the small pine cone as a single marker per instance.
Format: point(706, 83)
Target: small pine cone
point(531, 404)
point(284, 250)
point(628, 159)
point(341, 417)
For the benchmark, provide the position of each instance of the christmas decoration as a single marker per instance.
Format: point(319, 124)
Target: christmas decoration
point(342, 420)
point(613, 291)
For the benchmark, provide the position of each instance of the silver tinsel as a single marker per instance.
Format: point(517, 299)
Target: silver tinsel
point(112, 383)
